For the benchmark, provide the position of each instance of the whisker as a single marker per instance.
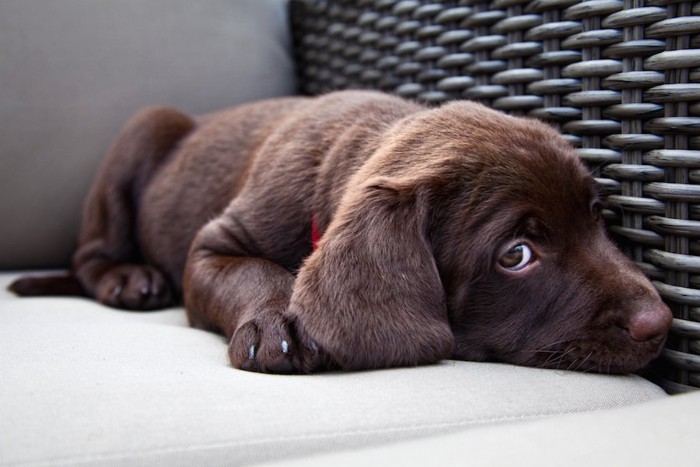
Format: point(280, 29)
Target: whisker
point(560, 359)
point(585, 360)
point(557, 354)
point(554, 343)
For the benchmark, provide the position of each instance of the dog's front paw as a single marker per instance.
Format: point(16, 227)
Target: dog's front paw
point(134, 287)
point(269, 344)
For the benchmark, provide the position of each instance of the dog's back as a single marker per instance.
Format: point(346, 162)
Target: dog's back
point(171, 174)
point(289, 140)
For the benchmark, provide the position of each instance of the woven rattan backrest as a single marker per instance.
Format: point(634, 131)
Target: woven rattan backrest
point(618, 77)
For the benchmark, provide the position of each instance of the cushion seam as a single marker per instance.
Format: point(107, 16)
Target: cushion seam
point(312, 436)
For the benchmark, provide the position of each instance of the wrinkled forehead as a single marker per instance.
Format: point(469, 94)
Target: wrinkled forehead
point(512, 163)
point(523, 187)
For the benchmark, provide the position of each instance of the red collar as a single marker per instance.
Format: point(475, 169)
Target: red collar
point(315, 233)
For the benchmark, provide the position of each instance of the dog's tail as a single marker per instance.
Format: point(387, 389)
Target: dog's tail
point(56, 285)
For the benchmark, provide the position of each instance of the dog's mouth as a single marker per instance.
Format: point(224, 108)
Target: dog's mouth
point(616, 356)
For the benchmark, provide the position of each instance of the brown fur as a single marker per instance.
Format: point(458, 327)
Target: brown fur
point(416, 206)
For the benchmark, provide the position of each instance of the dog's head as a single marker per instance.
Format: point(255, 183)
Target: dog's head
point(529, 273)
point(486, 227)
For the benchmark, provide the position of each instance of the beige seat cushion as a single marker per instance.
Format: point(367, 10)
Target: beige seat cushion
point(657, 433)
point(82, 383)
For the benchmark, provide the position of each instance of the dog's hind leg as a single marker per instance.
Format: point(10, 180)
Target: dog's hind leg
point(108, 262)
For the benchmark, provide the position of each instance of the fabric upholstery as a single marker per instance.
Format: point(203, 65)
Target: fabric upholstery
point(73, 71)
point(82, 383)
point(659, 432)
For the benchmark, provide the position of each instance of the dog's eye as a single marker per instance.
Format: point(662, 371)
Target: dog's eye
point(516, 258)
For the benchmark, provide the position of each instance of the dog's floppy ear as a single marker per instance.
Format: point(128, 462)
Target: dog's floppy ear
point(370, 296)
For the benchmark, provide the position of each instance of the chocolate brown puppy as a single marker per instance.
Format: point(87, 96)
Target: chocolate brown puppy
point(455, 232)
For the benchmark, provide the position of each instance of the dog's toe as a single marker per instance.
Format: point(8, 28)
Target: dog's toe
point(281, 365)
point(244, 346)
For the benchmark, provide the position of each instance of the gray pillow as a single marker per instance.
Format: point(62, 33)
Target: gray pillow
point(73, 71)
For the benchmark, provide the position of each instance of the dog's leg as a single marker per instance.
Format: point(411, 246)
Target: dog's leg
point(229, 288)
point(108, 263)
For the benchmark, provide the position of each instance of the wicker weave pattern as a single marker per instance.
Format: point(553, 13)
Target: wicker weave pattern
point(618, 77)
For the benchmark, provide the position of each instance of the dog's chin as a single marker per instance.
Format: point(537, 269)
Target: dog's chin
point(609, 352)
point(612, 357)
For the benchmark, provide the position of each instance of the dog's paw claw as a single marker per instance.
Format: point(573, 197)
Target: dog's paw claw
point(116, 293)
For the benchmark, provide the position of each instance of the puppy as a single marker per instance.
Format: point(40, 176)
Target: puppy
point(455, 232)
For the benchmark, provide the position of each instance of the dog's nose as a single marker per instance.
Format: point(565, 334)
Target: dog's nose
point(650, 323)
